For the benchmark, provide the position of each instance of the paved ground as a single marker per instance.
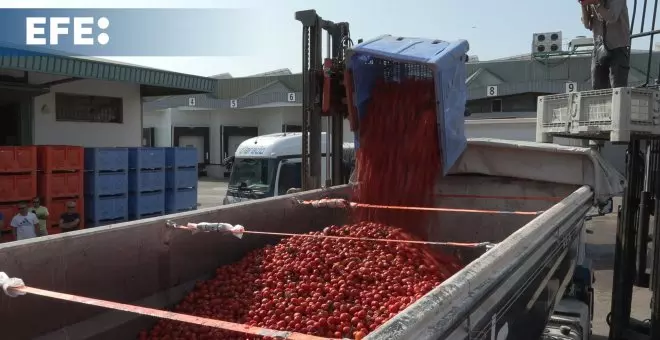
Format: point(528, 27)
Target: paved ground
point(600, 248)
point(211, 192)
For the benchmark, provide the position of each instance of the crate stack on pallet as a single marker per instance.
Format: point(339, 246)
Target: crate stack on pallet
point(146, 182)
point(18, 182)
point(106, 186)
point(181, 180)
point(59, 181)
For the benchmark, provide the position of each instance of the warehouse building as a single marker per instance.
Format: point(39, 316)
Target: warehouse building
point(502, 99)
point(53, 99)
point(241, 108)
point(503, 92)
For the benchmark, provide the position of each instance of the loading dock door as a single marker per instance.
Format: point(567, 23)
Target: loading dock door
point(196, 142)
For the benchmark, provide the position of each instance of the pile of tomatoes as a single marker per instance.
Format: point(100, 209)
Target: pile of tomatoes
point(319, 286)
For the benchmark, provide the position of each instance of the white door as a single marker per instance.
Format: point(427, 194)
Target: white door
point(195, 142)
point(233, 143)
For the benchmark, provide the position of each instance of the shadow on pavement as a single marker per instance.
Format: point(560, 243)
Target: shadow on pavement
point(598, 337)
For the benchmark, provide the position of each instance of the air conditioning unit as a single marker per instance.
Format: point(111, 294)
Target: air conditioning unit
point(547, 42)
point(580, 41)
point(473, 58)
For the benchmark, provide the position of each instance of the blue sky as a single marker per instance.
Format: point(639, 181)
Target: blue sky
point(494, 28)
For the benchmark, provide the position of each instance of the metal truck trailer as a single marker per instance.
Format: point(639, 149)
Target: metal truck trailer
point(516, 283)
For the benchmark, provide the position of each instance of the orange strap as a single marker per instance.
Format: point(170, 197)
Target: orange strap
point(452, 244)
point(230, 326)
point(342, 203)
point(523, 198)
point(476, 211)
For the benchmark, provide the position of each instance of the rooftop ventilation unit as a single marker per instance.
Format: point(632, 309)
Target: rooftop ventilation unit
point(546, 42)
point(473, 58)
point(580, 41)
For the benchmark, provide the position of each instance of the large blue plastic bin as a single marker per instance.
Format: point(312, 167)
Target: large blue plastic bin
point(182, 178)
point(106, 159)
point(146, 158)
point(106, 208)
point(180, 200)
point(106, 183)
point(148, 203)
point(146, 180)
point(180, 157)
point(392, 58)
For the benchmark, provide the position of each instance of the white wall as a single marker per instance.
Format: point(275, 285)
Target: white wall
point(161, 121)
point(49, 131)
point(498, 128)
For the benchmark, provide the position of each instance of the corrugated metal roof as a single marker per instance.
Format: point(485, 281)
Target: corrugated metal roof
point(95, 68)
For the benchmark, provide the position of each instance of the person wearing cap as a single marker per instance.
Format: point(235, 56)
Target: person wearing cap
point(70, 220)
point(25, 224)
point(42, 215)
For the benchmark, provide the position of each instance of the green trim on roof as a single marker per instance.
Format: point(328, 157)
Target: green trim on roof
point(109, 71)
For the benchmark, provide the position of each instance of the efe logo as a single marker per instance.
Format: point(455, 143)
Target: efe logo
point(83, 30)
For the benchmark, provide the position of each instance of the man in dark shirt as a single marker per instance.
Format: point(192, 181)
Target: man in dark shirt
point(70, 220)
point(609, 22)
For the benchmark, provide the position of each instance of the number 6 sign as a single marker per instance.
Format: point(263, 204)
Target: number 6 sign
point(291, 97)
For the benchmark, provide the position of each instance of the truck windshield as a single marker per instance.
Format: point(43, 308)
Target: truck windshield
point(255, 173)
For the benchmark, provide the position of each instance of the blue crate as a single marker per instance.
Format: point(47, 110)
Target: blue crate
point(182, 178)
point(106, 159)
point(181, 157)
point(146, 203)
point(394, 59)
point(105, 208)
point(146, 180)
point(106, 183)
point(146, 158)
point(180, 200)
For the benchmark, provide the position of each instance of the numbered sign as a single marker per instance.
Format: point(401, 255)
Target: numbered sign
point(571, 87)
point(291, 97)
point(233, 103)
point(491, 91)
point(191, 101)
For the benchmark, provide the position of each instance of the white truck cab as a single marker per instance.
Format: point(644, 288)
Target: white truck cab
point(270, 165)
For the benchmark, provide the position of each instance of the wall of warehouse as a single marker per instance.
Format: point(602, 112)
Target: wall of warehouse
point(494, 128)
point(266, 120)
point(49, 131)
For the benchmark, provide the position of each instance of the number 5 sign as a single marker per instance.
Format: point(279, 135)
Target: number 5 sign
point(571, 87)
point(491, 91)
point(233, 103)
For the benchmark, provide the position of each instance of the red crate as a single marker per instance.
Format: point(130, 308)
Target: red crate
point(60, 157)
point(14, 188)
point(7, 236)
point(17, 159)
point(57, 206)
point(60, 184)
point(8, 211)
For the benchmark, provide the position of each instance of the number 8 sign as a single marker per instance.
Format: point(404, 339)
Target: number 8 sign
point(491, 91)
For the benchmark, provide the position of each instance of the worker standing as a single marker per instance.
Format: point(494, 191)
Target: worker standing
point(70, 220)
point(42, 214)
point(610, 24)
point(25, 224)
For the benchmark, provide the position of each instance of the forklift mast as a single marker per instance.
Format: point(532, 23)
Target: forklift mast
point(324, 95)
point(633, 266)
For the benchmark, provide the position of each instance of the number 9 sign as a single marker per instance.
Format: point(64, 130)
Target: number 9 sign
point(571, 87)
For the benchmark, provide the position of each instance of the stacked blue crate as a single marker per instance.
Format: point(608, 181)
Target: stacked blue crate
point(181, 179)
point(106, 186)
point(146, 182)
